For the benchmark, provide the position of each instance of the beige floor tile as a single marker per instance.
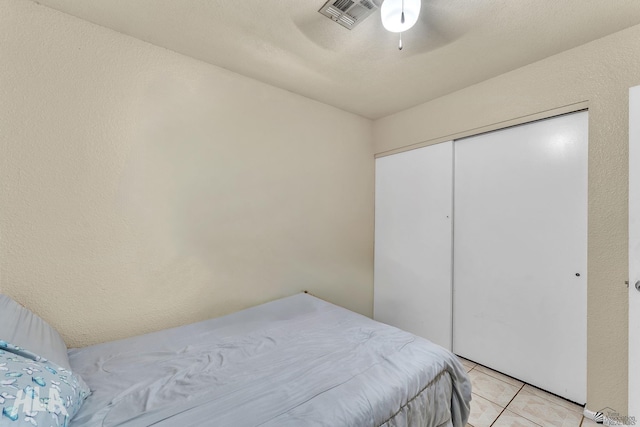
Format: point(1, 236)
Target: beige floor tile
point(586, 422)
point(555, 399)
point(542, 411)
point(498, 375)
point(509, 419)
point(469, 365)
point(483, 412)
point(492, 388)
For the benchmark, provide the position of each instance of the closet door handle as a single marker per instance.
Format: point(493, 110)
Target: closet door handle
point(638, 285)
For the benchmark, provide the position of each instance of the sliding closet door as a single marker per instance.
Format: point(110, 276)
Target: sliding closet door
point(412, 272)
point(520, 252)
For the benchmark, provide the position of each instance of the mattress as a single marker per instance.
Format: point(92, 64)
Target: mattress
point(297, 361)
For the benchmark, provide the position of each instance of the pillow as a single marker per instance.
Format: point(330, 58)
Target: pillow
point(36, 393)
point(21, 327)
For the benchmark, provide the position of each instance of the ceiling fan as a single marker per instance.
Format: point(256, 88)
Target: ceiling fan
point(397, 15)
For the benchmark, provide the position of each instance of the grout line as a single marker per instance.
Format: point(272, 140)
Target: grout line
point(501, 412)
point(556, 396)
point(505, 406)
point(520, 389)
point(497, 372)
point(501, 380)
point(512, 399)
point(520, 415)
point(581, 407)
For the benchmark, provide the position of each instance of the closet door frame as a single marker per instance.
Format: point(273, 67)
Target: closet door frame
point(634, 252)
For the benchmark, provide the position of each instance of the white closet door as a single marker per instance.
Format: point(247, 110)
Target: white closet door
point(412, 288)
point(520, 252)
point(634, 252)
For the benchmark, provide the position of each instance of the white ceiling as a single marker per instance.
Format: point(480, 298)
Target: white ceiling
point(288, 44)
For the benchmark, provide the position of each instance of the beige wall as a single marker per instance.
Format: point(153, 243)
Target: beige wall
point(142, 189)
point(601, 73)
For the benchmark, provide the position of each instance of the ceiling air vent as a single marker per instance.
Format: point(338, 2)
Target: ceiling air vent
point(349, 13)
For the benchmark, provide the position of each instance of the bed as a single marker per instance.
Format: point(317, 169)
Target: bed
point(297, 361)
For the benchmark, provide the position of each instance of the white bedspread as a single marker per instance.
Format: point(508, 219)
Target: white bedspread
point(298, 361)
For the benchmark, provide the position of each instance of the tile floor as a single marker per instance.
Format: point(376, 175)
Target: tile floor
point(502, 401)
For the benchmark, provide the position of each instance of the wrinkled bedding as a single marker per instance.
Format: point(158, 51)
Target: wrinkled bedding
point(298, 361)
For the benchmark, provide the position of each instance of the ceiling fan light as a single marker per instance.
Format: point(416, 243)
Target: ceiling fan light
point(391, 14)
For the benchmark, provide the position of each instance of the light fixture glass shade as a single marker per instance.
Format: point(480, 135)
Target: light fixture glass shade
point(391, 14)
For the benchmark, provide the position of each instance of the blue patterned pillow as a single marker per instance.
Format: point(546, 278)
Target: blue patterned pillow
point(36, 392)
